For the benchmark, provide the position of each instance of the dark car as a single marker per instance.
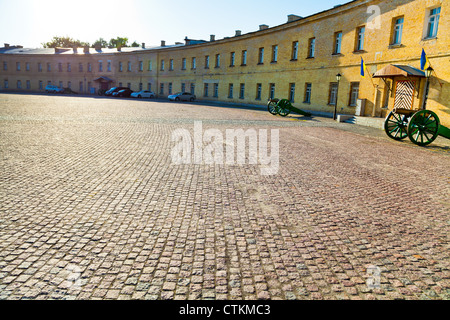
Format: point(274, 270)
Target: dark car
point(123, 93)
point(115, 89)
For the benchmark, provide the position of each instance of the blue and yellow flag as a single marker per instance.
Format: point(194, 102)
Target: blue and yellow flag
point(363, 68)
point(424, 62)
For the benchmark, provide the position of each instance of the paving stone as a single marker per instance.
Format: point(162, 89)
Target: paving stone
point(92, 207)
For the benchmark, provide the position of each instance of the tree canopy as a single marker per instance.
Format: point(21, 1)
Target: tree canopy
point(67, 42)
point(64, 42)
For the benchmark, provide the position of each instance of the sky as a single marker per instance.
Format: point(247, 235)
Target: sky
point(32, 22)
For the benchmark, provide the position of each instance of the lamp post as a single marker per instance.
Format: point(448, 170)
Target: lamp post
point(338, 78)
point(428, 73)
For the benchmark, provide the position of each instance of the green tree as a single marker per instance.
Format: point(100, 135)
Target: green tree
point(135, 45)
point(64, 42)
point(118, 42)
point(101, 42)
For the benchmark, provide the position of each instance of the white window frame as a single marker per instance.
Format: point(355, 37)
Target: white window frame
point(398, 30)
point(433, 22)
point(337, 42)
point(361, 33)
point(295, 50)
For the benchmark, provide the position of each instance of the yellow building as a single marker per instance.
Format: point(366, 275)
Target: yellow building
point(298, 60)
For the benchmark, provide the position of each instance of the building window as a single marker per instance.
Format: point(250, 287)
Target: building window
point(120, 66)
point(360, 38)
point(193, 88)
point(354, 93)
point(89, 67)
point(129, 66)
point(162, 65)
point(100, 66)
point(27, 66)
point(308, 87)
point(150, 65)
point(28, 83)
point(41, 85)
point(183, 87)
point(61, 84)
point(49, 82)
point(69, 67)
point(232, 59)
point(6, 84)
point(108, 66)
point(216, 90)
point(39, 67)
point(129, 85)
point(194, 63)
point(19, 84)
point(274, 54)
point(5, 66)
point(242, 91)
point(183, 65)
point(292, 92)
point(49, 67)
point(433, 22)
point(207, 62)
point(311, 47)
point(60, 69)
point(398, 31)
point(217, 61)
point(244, 58)
point(332, 95)
point(258, 91)
point(69, 84)
point(230, 91)
point(141, 66)
point(171, 65)
point(149, 86)
point(294, 50)
point(18, 66)
point(261, 56)
point(140, 86)
point(170, 88)
point(205, 91)
point(337, 42)
point(272, 91)
point(81, 86)
point(80, 67)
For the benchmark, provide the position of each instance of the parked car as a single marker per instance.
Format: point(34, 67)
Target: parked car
point(114, 89)
point(123, 93)
point(53, 89)
point(182, 96)
point(143, 94)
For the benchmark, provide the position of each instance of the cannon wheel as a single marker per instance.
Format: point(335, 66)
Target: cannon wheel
point(396, 126)
point(423, 127)
point(272, 107)
point(283, 107)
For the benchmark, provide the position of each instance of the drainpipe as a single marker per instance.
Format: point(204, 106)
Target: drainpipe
point(375, 101)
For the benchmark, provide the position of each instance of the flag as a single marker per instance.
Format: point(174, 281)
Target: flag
point(363, 68)
point(424, 62)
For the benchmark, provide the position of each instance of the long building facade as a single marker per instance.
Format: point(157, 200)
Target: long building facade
point(376, 46)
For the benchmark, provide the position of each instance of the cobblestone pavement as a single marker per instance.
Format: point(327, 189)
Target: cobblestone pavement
point(92, 207)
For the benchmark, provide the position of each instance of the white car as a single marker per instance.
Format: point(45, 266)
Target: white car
point(143, 94)
point(53, 89)
point(182, 96)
